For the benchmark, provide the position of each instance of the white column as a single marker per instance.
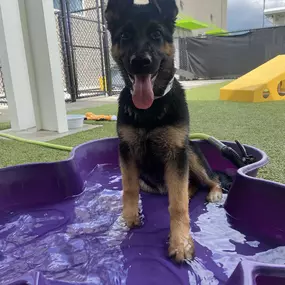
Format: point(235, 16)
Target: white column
point(15, 68)
point(46, 63)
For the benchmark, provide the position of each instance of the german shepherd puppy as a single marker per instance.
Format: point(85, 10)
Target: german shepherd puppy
point(153, 118)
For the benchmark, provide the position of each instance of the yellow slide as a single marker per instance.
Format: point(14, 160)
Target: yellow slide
point(265, 83)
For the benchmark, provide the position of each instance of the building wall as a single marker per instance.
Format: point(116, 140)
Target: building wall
point(206, 11)
point(275, 11)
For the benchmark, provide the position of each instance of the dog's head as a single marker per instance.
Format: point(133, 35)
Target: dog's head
point(142, 45)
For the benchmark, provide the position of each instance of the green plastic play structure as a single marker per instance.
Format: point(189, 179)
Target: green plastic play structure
point(189, 23)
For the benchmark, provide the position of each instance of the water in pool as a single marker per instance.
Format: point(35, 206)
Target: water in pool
point(84, 241)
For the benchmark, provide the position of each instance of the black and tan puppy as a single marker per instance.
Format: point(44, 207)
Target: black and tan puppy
point(153, 118)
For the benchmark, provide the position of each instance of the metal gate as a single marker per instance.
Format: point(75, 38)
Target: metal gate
point(83, 42)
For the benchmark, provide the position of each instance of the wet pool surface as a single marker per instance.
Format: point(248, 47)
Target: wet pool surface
point(84, 241)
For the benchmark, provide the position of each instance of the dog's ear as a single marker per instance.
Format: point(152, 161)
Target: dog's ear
point(116, 9)
point(167, 8)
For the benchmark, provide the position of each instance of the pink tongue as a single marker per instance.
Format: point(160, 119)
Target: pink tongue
point(143, 94)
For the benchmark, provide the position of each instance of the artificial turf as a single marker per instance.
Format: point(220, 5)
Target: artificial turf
point(4, 126)
point(257, 124)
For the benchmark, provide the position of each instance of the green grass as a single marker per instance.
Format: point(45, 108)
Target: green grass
point(13, 153)
point(257, 124)
point(205, 93)
point(5, 126)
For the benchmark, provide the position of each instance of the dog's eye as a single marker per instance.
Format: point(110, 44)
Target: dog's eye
point(156, 35)
point(125, 36)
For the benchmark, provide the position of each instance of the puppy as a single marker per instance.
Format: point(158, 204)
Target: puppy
point(153, 118)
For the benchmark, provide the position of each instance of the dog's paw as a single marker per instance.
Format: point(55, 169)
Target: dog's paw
point(181, 249)
point(215, 195)
point(132, 221)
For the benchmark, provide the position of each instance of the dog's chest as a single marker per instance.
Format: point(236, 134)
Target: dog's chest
point(142, 143)
point(148, 151)
point(145, 145)
point(156, 143)
point(151, 149)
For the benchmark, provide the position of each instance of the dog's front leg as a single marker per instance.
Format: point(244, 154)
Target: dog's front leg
point(176, 177)
point(130, 181)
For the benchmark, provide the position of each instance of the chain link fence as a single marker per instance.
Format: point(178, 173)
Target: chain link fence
point(3, 99)
point(59, 29)
point(79, 29)
point(87, 66)
point(116, 78)
point(86, 33)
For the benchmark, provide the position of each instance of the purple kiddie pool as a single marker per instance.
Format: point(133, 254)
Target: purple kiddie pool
point(60, 224)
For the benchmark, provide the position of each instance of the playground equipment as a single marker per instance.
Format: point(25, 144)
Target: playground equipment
point(263, 84)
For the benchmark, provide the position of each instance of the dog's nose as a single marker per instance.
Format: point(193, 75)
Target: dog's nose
point(140, 61)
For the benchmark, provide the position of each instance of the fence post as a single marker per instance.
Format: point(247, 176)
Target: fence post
point(106, 50)
point(3, 98)
point(64, 51)
point(68, 48)
point(100, 35)
point(73, 66)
